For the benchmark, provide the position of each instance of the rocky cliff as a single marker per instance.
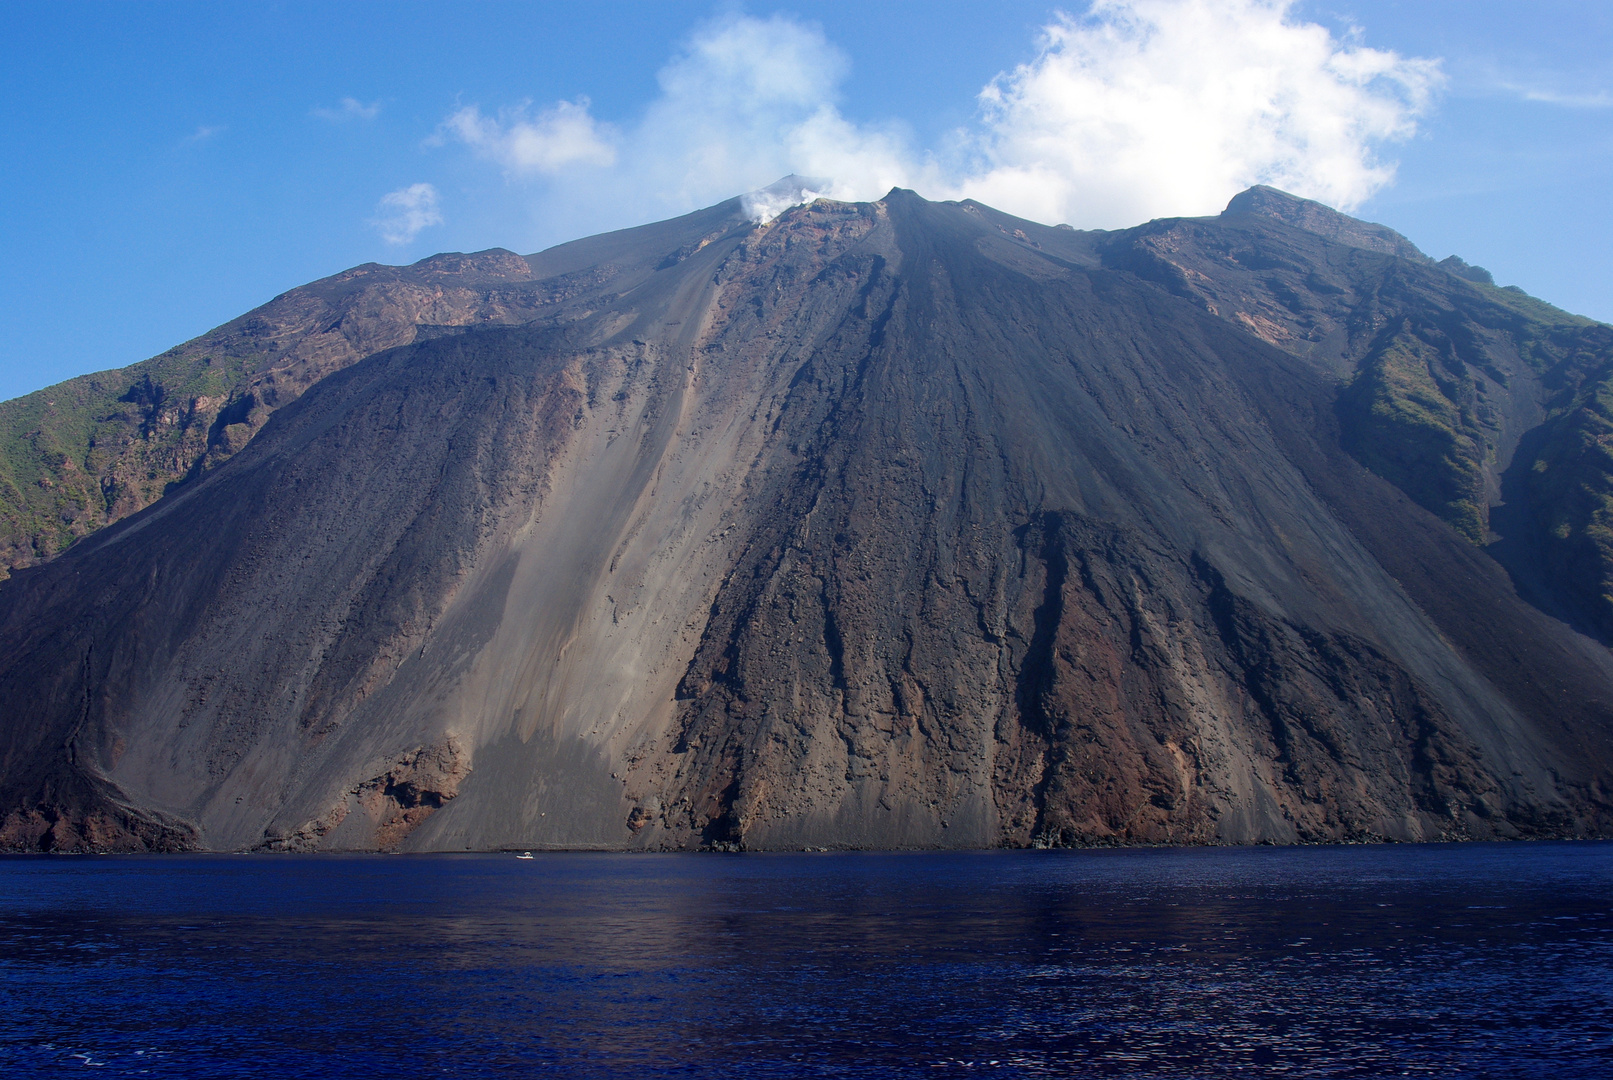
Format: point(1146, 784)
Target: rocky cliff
point(897, 524)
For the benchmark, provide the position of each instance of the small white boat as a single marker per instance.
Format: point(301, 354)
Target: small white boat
point(524, 855)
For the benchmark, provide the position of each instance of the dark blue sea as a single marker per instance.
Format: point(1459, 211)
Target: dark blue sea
point(1446, 960)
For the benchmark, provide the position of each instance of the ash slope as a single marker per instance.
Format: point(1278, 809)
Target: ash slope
point(882, 525)
point(85, 453)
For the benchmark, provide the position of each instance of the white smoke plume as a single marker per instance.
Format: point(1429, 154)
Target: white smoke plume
point(565, 135)
point(1135, 109)
point(765, 204)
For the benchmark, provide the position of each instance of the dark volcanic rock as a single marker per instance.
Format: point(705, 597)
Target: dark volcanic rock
point(1463, 269)
point(1313, 217)
point(889, 524)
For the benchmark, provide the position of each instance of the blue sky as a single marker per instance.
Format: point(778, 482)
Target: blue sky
point(169, 166)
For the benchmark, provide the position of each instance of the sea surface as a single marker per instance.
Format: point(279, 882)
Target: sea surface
point(1473, 960)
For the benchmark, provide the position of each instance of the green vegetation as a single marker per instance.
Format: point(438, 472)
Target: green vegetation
point(1569, 484)
point(1416, 416)
point(79, 455)
point(1422, 412)
point(1535, 309)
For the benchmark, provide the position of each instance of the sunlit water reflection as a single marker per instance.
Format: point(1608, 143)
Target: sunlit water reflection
point(1449, 960)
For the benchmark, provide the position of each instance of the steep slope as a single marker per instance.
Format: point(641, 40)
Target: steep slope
point(1445, 378)
point(80, 455)
point(889, 524)
point(1486, 406)
point(95, 449)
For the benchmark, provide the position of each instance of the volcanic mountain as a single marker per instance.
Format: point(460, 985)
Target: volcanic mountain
point(891, 524)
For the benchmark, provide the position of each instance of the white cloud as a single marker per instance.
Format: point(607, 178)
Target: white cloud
point(401, 214)
point(1149, 108)
point(1601, 100)
point(349, 109)
point(205, 132)
point(1137, 109)
point(563, 136)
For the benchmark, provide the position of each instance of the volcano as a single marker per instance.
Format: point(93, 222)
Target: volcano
point(899, 524)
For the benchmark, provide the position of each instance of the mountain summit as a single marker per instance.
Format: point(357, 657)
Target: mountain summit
point(891, 524)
